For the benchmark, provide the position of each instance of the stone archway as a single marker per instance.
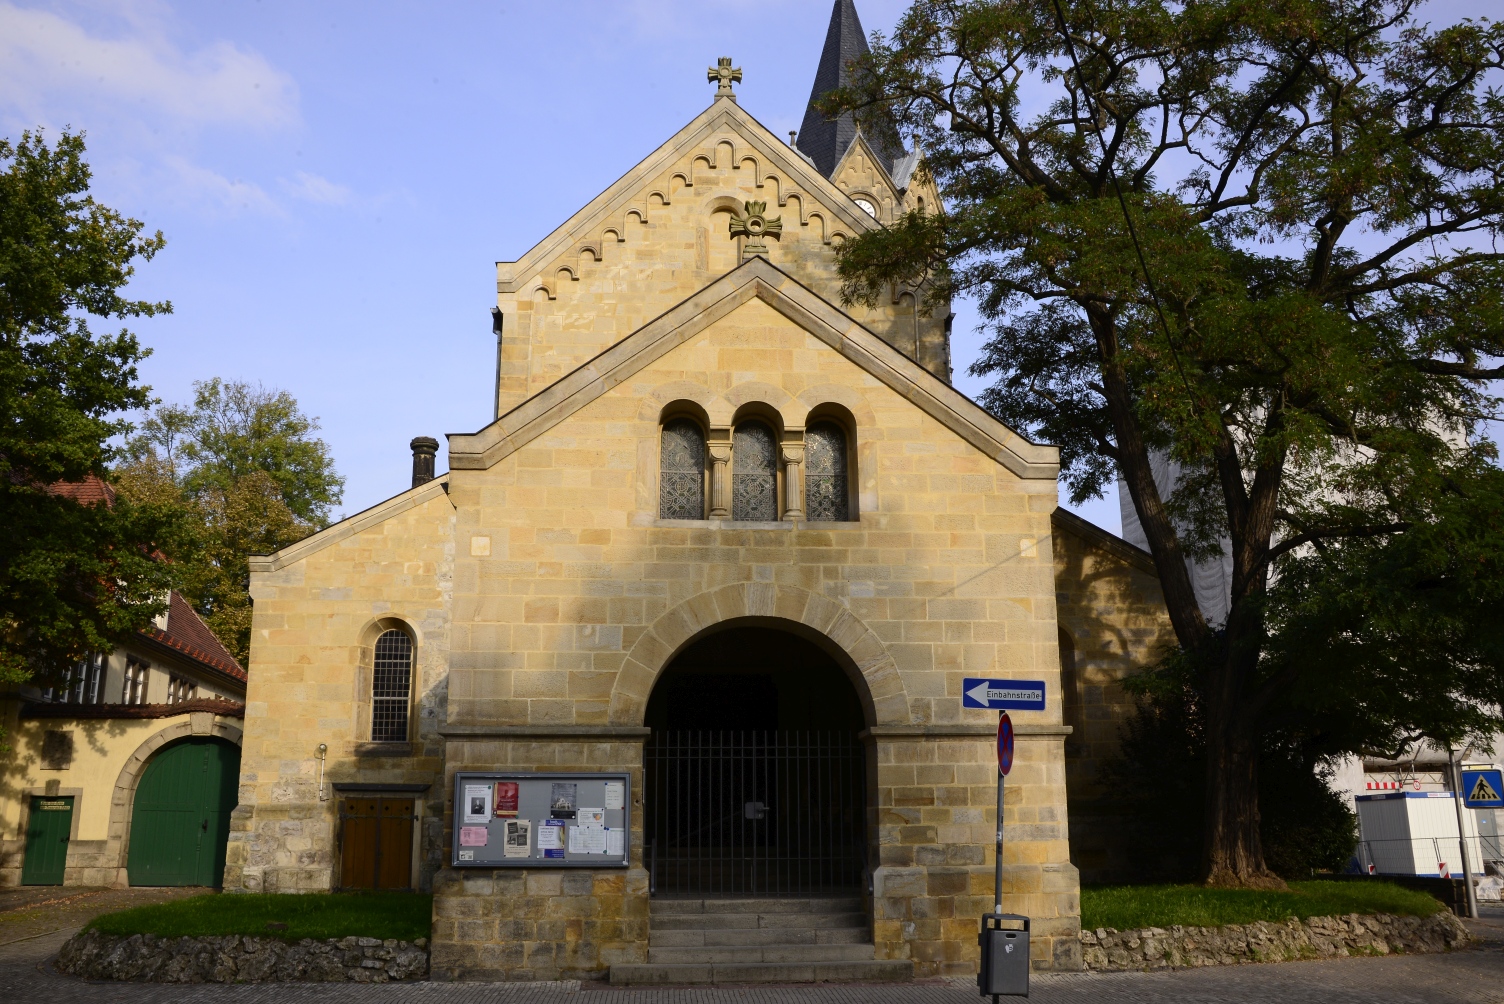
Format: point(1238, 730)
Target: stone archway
point(123, 797)
point(876, 676)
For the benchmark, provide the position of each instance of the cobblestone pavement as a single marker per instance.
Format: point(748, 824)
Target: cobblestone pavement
point(1474, 976)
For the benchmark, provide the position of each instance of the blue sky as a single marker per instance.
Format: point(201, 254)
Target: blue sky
point(336, 180)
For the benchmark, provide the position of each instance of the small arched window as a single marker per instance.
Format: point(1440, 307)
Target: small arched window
point(825, 489)
point(681, 477)
point(391, 687)
point(754, 473)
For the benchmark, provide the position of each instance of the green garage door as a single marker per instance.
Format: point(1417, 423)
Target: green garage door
point(181, 818)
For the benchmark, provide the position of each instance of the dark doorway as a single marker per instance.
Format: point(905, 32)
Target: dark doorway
point(755, 778)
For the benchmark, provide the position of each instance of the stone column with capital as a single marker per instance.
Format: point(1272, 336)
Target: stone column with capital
point(793, 497)
point(719, 448)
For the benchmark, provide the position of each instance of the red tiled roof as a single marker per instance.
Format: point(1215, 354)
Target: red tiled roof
point(90, 491)
point(188, 634)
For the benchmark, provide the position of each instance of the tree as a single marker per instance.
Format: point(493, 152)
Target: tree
point(1261, 238)
point(244, 469)
point(77, 573)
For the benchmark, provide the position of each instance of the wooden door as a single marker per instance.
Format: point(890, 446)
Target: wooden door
point(180, 821)
point(376, 842)
point(47, 832)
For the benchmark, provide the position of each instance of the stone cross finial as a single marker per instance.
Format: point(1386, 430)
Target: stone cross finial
point(721, 74)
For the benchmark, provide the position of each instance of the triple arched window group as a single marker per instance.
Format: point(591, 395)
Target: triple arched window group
point(693, 479)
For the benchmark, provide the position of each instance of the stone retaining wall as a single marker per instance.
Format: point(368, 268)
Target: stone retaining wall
point(1315, 938)
point(237, 959)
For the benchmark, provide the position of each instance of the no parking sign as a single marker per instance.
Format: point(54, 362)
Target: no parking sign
point(1004, 744)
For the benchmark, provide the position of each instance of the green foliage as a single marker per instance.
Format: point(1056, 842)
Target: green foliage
point(1160, 775)
point(405, 916)
point(245, 472)
point(74, 577)
point(1263, 239)
point(1126, 907)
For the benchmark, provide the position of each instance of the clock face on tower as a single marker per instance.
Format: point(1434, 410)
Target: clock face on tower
point(867, 206)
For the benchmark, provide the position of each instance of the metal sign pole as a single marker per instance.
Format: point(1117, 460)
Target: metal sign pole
point(997, 881)
point(1467, 871)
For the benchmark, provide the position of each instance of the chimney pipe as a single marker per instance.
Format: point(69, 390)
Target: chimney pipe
point(424, 448)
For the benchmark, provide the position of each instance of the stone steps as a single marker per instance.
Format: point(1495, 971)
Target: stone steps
point(874, 970)
point(721, 941)
point(758, 936)
point(763, 953)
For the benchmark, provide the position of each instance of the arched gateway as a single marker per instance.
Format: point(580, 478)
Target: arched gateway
point(755, 777)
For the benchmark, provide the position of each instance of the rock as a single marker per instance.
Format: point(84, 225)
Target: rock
point(241, 959)
point(1317, 937)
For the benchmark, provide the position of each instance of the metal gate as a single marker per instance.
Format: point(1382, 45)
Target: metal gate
point(755, 813)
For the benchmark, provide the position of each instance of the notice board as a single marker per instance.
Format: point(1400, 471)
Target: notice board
point(547, 820)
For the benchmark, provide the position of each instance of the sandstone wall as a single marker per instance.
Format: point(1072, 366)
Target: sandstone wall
point(1113, 617)
point(319, 610)
point(571, 596)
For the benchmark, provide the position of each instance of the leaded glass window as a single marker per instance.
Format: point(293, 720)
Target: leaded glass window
point(391, 686)
point(825, 491)
point(681, 480)
point(754, 473)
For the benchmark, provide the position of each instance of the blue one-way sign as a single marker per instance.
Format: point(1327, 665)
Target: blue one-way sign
point(1015, 695)
point(1483, 789)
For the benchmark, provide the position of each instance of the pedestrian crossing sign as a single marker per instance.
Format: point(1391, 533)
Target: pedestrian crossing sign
point(1483, 789)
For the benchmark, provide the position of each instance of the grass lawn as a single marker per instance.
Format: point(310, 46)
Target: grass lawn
point(1130, 906)
point(405, 916)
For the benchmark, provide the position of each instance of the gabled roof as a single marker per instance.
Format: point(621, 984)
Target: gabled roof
point(188, 635)
point(351, 525)
point(757, 278)
point(610, 207)
point(824, 140)
point(1067, 521)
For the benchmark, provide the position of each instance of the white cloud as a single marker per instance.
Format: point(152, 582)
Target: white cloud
point(46, 60)
point(312, 188)
point(233, 196)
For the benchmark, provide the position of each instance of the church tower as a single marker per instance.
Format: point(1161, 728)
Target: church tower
point(825, 141)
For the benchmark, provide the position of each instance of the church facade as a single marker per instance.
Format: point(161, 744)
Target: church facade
point(721, 524)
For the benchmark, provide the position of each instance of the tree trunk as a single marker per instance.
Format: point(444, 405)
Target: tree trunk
point(1233, 851)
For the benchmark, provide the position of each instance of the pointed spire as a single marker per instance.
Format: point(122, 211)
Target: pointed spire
point(823, 141)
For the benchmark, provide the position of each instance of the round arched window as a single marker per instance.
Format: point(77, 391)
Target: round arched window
point(825, 489)
point(391, 687)
point(754, 473)
point(681, 476)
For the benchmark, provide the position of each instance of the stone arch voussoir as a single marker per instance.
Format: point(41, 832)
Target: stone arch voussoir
point(885, 701)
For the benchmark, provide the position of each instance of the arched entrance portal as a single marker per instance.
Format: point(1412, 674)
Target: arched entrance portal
point(181, 815)
point(755, 779)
